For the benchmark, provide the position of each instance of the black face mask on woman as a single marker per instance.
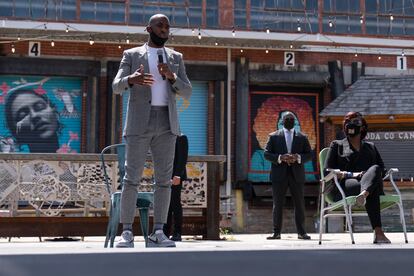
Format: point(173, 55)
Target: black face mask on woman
point(159, 41)
point(353, 128)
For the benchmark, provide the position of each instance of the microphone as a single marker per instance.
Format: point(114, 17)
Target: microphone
point(161, 59)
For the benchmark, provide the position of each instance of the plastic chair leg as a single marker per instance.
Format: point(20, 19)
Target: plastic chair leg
point(348, 215)
point(403, 221)
point(108, 228)
point(143, 216)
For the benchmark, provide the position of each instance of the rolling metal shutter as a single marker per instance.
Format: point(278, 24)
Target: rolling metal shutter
point(397, 151)
point(56, 104)
point(192, 115)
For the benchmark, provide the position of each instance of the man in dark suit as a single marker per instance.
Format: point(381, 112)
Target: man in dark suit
point(288, 150)
point(179, 175)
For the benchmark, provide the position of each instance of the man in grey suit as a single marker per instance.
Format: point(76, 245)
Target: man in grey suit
point(288, 150)
point(154, 75)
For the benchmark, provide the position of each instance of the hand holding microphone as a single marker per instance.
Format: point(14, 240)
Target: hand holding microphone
point(163, 68)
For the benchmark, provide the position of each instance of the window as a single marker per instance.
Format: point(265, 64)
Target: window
point(102, 11)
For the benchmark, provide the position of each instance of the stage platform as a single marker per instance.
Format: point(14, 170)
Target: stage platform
point(236, 255)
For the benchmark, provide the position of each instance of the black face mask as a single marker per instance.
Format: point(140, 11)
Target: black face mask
point(352, 129)
point(159, 41)
point(288, 123)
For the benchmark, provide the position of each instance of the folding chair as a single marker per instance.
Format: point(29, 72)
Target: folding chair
point(346, 206)
point(144, 200)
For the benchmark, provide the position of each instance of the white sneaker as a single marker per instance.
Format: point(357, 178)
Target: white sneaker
point(159, 239)
point(127, 240)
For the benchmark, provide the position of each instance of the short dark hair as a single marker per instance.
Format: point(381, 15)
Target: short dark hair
point(351, 115)
point(10, 120)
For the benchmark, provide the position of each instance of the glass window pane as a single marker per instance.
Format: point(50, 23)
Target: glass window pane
point(21, 9)
point(328, 5)
point(341, 6)
point(297, 4)
point(103, 11)
point(355, 25)
point(384, 6)
point(179, 18)
point(118, 12)
point(409, 26)
point(397, 26)
point(51, 12)
point(240, 18)
point(87, 11)
point(6, 9)
point(354, 6)
point(312, 24)
point(136, 14)
point(371, 24)
point(371, 6)
point(398, 6)
point(37, 9)
point(312, 5)
point(240, 4)
point(383, 26)
point(212, 17)
point(195, 17)
point(68, 9)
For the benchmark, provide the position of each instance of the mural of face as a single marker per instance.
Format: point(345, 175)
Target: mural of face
point(33, 118)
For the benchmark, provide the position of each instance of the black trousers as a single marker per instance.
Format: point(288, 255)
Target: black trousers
point(279, 190)
point(175, 212)
point(372, 182)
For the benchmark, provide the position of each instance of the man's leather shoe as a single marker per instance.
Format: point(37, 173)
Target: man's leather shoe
point(304, 236)
point(275, 236)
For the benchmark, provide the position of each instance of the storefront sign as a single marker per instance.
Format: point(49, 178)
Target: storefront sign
point(394, 135)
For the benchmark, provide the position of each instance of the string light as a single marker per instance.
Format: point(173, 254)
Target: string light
point(127, 39)
point(52, 43)
point(192, 31)
point(241, 51)
point(267, 51)
point(299, 27)
point(391, 17)
point(361, 19)
point(13, 49)
point(18, 37)
point(379, 57)
point(233, 32)
point(267, 31)
point(216, 43)
point(402, 53)
point(67, 28)
point(91, 41)
point(330, 23)
point(45, 26)
point(356, 54)
point(199, 33)
point(291, 46)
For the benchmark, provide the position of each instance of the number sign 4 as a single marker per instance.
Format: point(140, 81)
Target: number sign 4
point(34, 49)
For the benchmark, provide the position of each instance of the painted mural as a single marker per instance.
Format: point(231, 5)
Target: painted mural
point(40, 114)
point(266, 111)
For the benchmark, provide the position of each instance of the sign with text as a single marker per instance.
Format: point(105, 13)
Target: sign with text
point(289, 59)
point(401, 63)
point(34, 49)
point(391, 135)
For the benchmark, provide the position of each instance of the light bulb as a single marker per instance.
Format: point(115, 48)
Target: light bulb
point(13, 49)
point(91, 42)
point(52, 43)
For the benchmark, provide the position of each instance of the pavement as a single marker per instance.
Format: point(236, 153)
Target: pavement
point(234, 255)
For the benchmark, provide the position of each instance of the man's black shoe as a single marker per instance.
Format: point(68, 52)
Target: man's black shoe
point(304, 236)
point(176, 237)
point(275, 236)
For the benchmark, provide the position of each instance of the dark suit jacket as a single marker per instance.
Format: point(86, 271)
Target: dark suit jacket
point(180, 157)
point(276, 145)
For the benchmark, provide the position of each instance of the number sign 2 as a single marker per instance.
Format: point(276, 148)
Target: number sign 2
point(401, 63)
point(34, 49)
point(289, 59)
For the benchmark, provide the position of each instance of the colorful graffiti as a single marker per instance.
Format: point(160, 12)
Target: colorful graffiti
point(266, 111)
point(40, 114)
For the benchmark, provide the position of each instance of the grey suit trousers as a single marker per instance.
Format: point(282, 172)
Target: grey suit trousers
point(159, 138)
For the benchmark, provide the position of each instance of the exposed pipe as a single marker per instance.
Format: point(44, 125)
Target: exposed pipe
point(229, 124)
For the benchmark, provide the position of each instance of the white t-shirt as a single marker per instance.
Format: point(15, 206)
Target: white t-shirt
point(159, 87)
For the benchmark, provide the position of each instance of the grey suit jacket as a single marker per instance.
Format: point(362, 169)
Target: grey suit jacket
point(139, 103)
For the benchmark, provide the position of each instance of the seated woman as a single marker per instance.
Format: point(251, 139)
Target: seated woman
point(362, 170)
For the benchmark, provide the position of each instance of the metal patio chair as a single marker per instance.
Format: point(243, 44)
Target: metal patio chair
point(346, 206)
point(144, 200)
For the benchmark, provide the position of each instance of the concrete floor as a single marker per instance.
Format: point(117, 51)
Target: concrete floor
point(237, 255)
